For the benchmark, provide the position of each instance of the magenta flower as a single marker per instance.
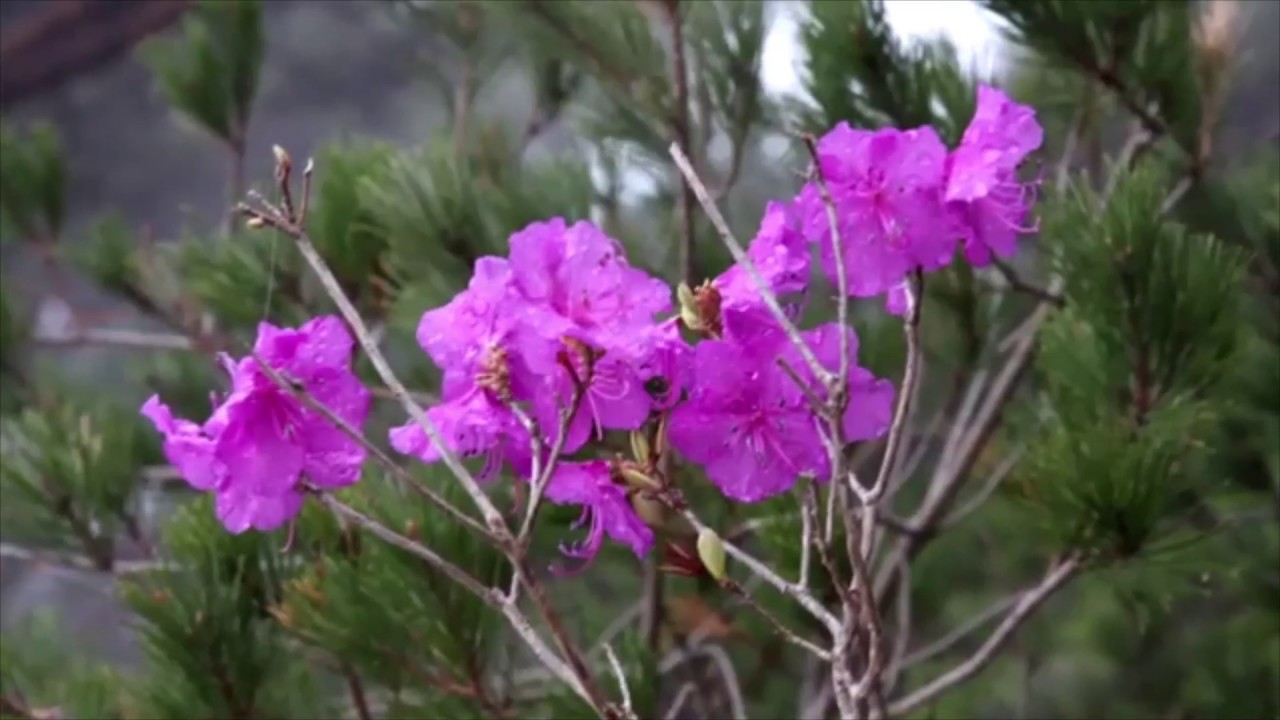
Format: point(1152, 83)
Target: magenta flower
point(752, 428)
point(592, 312)
point(662, 360)
point(778, 251)
point(886, 186)
point(480, 333)
point(582, 276)
point(473, 425)
point(605, 508)
point(746, 423)
point(982, 190)
point(870, 407)
point(479, 339)
point(261, 442)
point(613, 397)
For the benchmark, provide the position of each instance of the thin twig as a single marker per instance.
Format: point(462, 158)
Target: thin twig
point(1054, 580)
point(621, 677)
point(118, 338)
point(842, 279)
point(765, 573)
point(901, 631)
point(910, 377)
point(356, 688)
point(984, 493)
point(682, 696)
point(960, 632)
point(717, 655)
point(79, 562)
point(547, 470)
point(1017, 284)
point(808, 520)
point(680, 127)
point(489, 596)
point(787, 633)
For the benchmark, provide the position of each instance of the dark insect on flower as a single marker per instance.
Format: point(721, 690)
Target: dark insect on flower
point(657, 386)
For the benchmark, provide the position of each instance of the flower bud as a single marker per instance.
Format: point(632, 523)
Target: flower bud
point(639, 446)
point(652, 512)
point(637, 479)
point(711, 553)
point(282, 157)
point(688, 307)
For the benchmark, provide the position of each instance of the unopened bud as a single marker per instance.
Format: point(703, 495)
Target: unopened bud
point(688, 307)
point(711, 553)
point(652, 512)
point(637, 479)
point(255, 222)
point(282, 157)
point(639, 446)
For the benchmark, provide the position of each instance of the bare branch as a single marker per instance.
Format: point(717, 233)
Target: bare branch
point(765, 573)
point(787, 633)
point(621, 677)
point(960, 632)
point(1054, 580)
point(682, 696)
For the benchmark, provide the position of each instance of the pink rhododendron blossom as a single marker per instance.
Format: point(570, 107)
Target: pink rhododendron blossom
point(752, 428)
point(606, 509)
point(886, 188)
point(261, 442)
point(662, 363)
point(779, 253)
point(566, 313)
point(479, 340)
point(870, 406)
point(582, 277)
point(982, 191)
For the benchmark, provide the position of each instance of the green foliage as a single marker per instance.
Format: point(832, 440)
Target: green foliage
point(616, 45)
point(213, 650)
point(384, 612)
point(1141, 49)
point(342, 229)
point(37, 674)
point(32, 184)
point(858, 71)
point(1151, 425)
point(437, 212)
point(69, 471)
point(1163, 304)
point(109, 255)
point(210, 71)
point(1130, 369)
point(244, 278)
point(12, 331)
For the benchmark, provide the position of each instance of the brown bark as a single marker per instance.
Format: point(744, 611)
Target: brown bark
point(54, 42)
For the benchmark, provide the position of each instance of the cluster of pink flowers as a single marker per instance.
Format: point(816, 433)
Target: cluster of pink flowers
point(565, 317)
